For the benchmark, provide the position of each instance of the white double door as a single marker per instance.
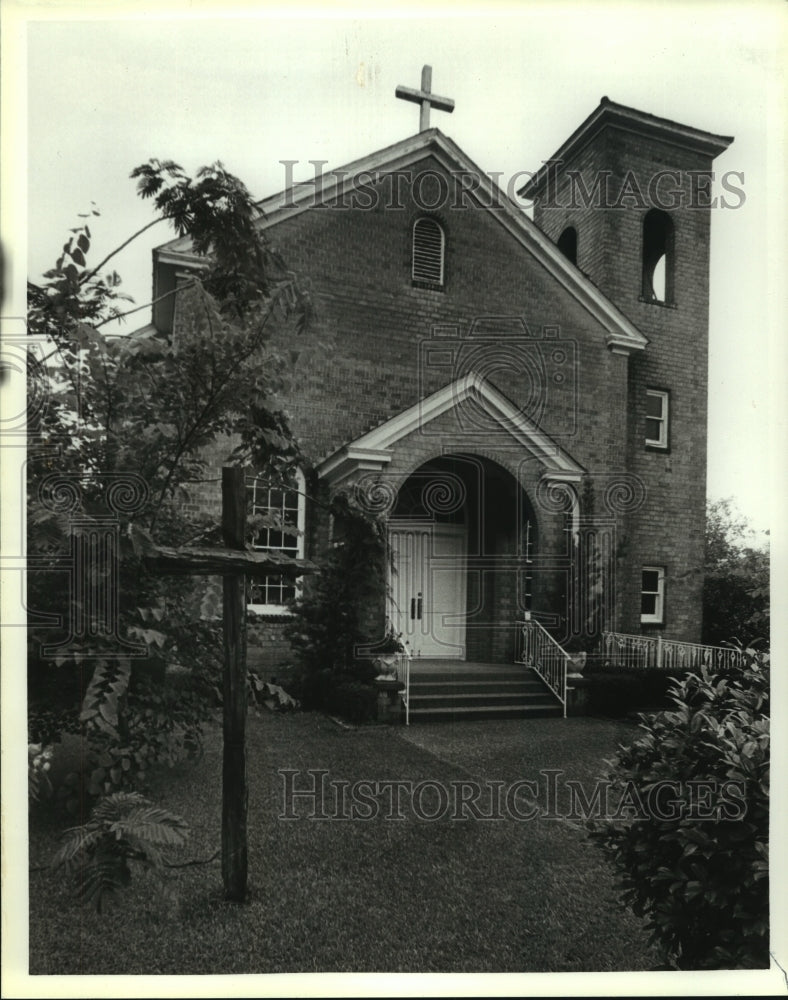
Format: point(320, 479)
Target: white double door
point(428, 586)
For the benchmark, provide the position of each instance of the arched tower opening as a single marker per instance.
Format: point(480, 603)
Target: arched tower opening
point(567, 244)
point(658, 254)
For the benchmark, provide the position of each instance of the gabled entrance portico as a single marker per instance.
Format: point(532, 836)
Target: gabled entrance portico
point(457, 474)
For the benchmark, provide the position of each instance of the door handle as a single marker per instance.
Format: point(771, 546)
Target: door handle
point(418, 607)
point(412, 608)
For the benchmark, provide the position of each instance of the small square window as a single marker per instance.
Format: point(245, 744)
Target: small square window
point(656, 418)
point(652, 595)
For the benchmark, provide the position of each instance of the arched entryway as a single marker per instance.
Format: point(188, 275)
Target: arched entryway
point(462, 533)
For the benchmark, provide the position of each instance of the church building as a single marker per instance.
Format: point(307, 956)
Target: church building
point(507, 391)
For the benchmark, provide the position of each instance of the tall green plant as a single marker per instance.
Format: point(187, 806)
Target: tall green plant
point(693, 851)
point(150, 406)
point(341, 606)
point(736, 602)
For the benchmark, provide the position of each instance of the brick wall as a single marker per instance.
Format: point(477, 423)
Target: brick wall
point(356, 264)
point(268, 650)
point(668, 529)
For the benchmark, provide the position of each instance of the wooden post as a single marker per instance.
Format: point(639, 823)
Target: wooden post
point(234, 563)
point(234, 788)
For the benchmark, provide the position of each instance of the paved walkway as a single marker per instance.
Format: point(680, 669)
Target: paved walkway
point(510, 749)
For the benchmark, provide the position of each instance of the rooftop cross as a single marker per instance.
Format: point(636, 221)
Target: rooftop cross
point(425, 98)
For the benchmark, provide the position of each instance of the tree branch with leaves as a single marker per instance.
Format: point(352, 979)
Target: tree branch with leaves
point(151, 405)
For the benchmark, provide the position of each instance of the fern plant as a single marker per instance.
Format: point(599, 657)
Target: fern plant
point(124, 829)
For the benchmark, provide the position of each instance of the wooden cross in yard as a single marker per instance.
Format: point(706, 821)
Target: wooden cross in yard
point(234, 562)
point(425, 98)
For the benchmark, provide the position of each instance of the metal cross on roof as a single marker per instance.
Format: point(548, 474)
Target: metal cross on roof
point(425, 98)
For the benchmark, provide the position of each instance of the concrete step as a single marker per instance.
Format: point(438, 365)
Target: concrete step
point(418, 700)
point(524, 687)
point(469, 712)
point(496, 692)
point(446, 677)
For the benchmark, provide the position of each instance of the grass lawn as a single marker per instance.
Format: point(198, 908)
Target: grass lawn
point(380, 895)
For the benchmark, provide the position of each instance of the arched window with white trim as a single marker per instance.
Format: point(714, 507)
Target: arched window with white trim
point(428, 252)
point(280, 510)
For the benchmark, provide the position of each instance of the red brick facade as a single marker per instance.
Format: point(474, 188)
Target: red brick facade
point(668, 167)
point(508, 312)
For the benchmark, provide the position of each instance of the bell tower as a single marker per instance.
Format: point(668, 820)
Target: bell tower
point(628, 199)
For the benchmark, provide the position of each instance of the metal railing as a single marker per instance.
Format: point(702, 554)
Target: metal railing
point(640, 652)
point(403, 676)
point(539, 650)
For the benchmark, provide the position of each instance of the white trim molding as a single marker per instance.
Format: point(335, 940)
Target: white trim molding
point(337, 185)
point(299, 489)
point(373, 451)
point(657, 616)
point(661, 419)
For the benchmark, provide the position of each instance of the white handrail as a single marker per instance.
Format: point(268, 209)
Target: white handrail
point(641, 652)
point(403, 666)
point(545, 656)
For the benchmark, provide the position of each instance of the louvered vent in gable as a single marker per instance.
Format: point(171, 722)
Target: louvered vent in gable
point(428, 247)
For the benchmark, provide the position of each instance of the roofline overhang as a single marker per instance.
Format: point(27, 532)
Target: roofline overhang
point(611, 115)
point(374, 450)
point(620, 331)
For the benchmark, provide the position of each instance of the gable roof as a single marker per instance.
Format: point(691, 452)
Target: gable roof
point(610, 114)
point(622, 334)
point(374, 450)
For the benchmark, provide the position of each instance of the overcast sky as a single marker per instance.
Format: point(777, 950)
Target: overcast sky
point(104, 96)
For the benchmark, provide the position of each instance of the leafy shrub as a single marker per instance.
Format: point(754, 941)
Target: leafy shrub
point(39, 763)
point(269, 694)
point(136, 714)
point(124, 829)
point(336, 615)
point(736, 579)
point(331, 619)
point(47, 727)
point(392, 642)
point(130, 420)
point(697, 867)
point(352, 697)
